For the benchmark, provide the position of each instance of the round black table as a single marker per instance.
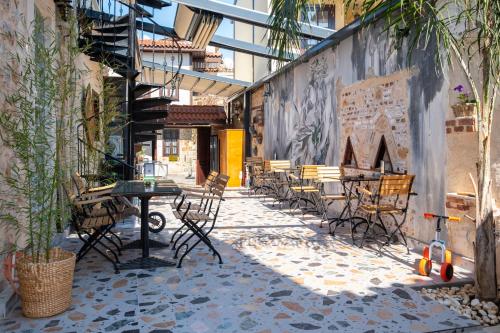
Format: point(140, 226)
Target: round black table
point(137, 188)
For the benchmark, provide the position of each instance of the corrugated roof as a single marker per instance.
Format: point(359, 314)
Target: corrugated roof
point(186, 115)
point(196, 114)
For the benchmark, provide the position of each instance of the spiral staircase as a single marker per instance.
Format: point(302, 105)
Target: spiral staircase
point(108, 34)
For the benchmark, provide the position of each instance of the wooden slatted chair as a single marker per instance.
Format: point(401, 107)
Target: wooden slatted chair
point(263, 178)
point(305, 188)
point(123, 207)
point(254, 167)
point(328, 175)
point(277, 179)
point(180, 204)
point(92, 219)
point(199, 224)
point(206, 188)
point(391, 198)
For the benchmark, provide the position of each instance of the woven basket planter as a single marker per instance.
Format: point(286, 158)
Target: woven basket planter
point(45, 288)
point(464, 110)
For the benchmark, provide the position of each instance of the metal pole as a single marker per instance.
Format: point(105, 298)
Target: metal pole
point(246, 123)
point(130, 97)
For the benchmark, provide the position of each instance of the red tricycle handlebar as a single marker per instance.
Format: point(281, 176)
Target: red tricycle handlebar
point(430, 216)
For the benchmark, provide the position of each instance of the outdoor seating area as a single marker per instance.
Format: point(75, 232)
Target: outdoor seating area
point(280, 272)
point(364, 200)
point(186, 166)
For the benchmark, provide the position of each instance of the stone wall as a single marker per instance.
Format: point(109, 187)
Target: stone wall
point(185, 162)
point(11, 15)
point(364, 89)
point(17, 16)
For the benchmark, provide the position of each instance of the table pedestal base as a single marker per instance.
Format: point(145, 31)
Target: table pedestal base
point(146, 263)
point(137, 244)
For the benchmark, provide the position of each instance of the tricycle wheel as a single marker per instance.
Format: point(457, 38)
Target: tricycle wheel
point(446, 271)
point(156, 222)
point(425, 267)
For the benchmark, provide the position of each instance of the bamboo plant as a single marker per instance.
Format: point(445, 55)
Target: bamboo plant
point(36, 126)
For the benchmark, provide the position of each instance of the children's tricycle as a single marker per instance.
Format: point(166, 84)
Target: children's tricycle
point(157, 222)
point(425, 265)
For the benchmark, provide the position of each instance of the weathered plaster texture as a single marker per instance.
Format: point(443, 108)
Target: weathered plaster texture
point(364, 89)
point(16, 16)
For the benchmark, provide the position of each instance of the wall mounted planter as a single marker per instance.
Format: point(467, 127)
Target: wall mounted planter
point(464, 110)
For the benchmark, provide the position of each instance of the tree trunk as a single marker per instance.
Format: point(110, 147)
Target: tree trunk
point(485, 269)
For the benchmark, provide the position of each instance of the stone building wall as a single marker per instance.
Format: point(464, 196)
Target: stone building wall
point(17, 16)
point(11, 14)
point(363, 89)
point(185, 162)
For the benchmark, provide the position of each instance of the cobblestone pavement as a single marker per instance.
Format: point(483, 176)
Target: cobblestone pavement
point(281, 273)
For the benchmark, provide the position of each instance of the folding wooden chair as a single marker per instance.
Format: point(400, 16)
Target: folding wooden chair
point(180, 204)
point(253, 166)
point(386, 202)
point(200, 223)
point(186, 190)
point(329, 176)
point(262, 178)
point(306, 189)
point(123, 207)
point(92, 219)
point(277, 179)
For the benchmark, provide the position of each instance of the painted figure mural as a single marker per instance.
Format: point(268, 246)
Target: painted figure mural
point(302, 124)
point(312, 141)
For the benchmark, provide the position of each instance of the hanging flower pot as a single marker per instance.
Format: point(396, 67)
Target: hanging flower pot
point(461, 110)
point(45, 287)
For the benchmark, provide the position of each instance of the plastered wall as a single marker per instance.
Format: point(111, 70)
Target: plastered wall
point(17, 16)
point(363, 89)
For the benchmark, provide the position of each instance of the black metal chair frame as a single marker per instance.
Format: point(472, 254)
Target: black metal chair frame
point(195, 223)
point(306, 193)
point(375, 199)
point(92, 237)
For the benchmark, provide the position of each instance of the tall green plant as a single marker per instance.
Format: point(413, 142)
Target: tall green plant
point(35, 127)
point(468, 35)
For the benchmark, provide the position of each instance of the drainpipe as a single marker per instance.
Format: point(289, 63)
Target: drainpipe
point(246, 124)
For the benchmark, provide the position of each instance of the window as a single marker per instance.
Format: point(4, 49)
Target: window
point(322, 16)
point(383, 155)
point(349, 156)
point(170, 142)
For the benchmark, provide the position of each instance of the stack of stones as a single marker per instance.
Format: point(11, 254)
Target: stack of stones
point(463, 301)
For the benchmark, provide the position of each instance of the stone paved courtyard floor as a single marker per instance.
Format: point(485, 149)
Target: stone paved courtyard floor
point(281, 273)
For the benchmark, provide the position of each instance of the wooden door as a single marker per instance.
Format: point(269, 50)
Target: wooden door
point(203, 155)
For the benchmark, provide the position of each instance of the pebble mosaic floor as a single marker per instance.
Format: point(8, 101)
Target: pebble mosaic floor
point(281, 273)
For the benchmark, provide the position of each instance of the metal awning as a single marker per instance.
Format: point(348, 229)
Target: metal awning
point(193, 81)
point(245, 15)
point(220, 41)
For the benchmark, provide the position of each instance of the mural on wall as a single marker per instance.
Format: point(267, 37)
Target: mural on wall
point(304, 124)
point(257, 122)
point(360, 89)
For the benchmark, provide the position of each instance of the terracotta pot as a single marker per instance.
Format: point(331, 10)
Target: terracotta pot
point(45, 288)
point(464, 110)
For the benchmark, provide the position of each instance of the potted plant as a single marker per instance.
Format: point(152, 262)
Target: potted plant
point(36, 127)
point(466, 105)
